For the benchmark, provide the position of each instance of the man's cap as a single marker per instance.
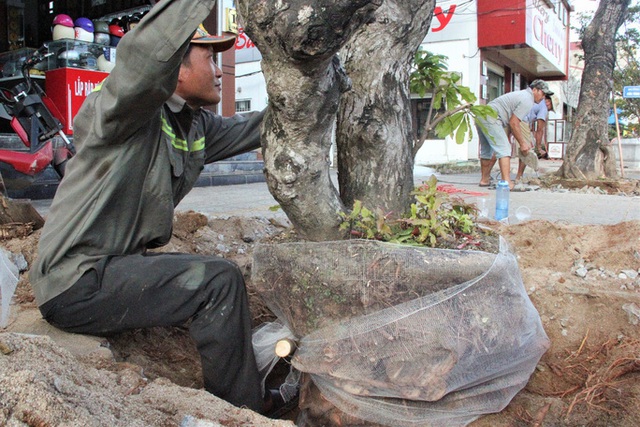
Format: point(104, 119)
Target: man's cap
point(219, 43)
point(542, 85)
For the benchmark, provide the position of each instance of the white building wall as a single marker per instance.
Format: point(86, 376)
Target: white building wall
point(250, 85)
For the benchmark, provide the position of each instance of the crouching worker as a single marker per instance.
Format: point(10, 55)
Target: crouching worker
point(143, 139)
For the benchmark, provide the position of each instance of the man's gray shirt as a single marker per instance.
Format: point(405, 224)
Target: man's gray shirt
point(519, 103)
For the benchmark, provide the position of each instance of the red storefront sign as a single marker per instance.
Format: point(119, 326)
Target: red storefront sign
point(67, 88)
point(528, 32)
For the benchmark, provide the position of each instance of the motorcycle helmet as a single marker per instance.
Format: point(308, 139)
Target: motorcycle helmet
point(84, 29)
point(116, 32)
point(88, 61)
point(101, 33)
point(62, 27)
point(62, 19)
point(9, 69)
point(69, 58)
point(124, 22)
point(134, 20)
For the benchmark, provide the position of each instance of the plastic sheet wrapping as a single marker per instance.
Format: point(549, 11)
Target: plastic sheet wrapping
point(264, 339)
point(9, 275)
point(442, 358)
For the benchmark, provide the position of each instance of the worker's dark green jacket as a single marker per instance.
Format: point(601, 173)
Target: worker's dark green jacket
point(140, 151)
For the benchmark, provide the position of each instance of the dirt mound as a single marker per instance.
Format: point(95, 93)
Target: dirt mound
point(580, 278)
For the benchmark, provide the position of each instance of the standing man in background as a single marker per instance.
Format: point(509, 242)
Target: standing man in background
point(543, 150)
point(511, 108)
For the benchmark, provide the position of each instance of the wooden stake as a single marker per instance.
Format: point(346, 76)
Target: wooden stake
point(615, 114)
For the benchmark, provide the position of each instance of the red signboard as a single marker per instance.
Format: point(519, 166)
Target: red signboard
point(501, 22)
point(67, 88)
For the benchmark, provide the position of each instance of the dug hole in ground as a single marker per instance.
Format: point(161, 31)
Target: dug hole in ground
point(582, 280)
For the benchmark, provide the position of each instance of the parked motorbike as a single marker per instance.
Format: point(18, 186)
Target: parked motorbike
point(34, 118)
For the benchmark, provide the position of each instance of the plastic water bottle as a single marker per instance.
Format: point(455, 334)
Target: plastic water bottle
point(502, 200)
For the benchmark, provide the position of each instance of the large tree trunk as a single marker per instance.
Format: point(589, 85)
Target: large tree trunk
point(588, 154)
point(374, 132)
point(298, 41)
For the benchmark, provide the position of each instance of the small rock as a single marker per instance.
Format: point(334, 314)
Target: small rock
point(581, 272)
point(63, 386)
point(191, 421)
point(633, 311)
point(622, 276)
point(5, 349)
point(631, 274)
point(19, 260)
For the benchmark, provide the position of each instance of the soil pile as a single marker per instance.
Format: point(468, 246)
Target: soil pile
point(583, 280)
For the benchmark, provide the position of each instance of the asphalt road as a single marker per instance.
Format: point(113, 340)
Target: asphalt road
point(569, 207)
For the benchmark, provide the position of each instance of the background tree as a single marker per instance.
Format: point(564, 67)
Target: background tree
point(627, 70)
point(374, 136)
point(588, 154)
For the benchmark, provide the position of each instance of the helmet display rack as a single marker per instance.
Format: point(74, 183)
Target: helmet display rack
point(129, 12)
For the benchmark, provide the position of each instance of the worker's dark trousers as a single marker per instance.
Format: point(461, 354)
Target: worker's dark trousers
point(160, 289)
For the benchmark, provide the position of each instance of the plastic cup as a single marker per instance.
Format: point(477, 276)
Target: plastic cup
point(483, 210)
point(523, 213)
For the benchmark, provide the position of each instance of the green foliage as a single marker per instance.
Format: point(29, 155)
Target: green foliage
point(452, 104)
point(436, 220)
point(627, 69)
point(363, 223)
point(429, 69)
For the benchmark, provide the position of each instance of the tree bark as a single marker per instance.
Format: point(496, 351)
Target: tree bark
point(589, 155)
point(298, 41)
point(374, 134)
